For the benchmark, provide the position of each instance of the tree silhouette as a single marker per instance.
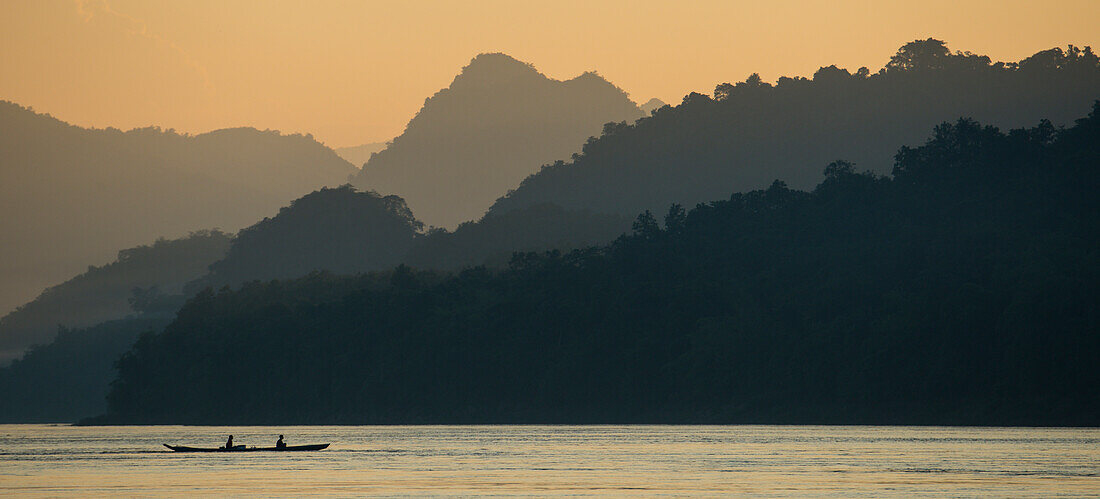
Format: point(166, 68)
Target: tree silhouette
point(646, 225)
point(920, 55)
point(674, 219)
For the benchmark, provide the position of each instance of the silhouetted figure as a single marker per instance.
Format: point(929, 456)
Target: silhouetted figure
point(229, 443)
point(280, 444)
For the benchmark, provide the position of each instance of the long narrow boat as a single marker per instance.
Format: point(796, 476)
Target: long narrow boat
point(242, 448)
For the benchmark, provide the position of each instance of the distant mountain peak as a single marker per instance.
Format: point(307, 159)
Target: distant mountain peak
point(495, 124)
point(496, 59)
point(652, 105)
point(496, 69)
point(589, 75)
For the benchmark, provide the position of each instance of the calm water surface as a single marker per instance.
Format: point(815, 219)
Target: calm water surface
point(841, 461)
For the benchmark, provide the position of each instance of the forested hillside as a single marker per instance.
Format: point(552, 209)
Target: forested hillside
point(338, 230)
point(750, 133)
point(961, 290)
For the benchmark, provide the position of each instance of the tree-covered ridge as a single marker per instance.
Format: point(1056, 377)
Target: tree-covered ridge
point(339, 230)
point(344, 231)
point(752, 132)
point(961, 291)
point(496, 123)
point(141, 279)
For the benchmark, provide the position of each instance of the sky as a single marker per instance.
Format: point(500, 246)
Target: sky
point(353, 72)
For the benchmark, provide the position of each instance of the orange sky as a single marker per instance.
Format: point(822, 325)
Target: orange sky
point(352, 71)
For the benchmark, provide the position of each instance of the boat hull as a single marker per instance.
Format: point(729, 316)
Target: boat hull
point(242, 448)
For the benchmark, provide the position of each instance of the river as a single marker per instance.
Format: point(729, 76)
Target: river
point(837, 461)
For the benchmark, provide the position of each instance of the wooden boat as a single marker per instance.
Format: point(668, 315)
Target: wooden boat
point(242, 448)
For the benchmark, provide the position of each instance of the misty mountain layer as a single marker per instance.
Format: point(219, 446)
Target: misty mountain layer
point(498, 121)
point(651, 105)
point(358, 155)
point(73, 196)
point(753, 132)
point(140, 279)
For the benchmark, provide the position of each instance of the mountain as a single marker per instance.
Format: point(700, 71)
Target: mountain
point(962, 290)
point(337, 230)
point(73, 196)
point(497, 122)
point(141, 279)
point(652, 105)
point(753, 132)
point(358, 155)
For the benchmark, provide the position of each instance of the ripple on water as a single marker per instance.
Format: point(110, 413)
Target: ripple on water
point(53, 460)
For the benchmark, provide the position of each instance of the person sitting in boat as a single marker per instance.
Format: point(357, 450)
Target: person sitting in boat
point(280, 444)
point(229, 443)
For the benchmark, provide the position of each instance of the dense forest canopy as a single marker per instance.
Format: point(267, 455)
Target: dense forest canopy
point(153, 275)
point(494, 125)
point(73, 196)
point(752, 132)
point(961, 290)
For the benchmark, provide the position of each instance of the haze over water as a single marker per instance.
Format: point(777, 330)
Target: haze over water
point(844, 461)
